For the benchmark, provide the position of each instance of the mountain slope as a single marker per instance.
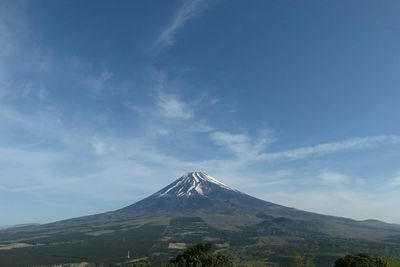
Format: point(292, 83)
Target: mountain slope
point(196, 192)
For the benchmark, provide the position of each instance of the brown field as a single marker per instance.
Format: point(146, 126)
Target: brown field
point(177, 245)
point(14, 245)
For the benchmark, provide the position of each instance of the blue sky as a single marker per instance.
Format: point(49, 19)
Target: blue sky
point(103, 103)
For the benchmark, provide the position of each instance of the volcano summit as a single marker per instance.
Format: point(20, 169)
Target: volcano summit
point(196, 192)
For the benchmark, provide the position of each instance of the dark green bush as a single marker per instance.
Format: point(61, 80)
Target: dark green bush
point(360, 260)
point(200, 256)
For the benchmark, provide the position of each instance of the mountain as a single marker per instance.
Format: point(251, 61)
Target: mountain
point(196, 208)
point(196, 192)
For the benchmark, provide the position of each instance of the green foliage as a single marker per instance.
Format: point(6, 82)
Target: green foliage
point(310, 262)
point(79, 247)
point(361, 260)
point(299, 260)
point(296, 260)
point(136, 264)
point(200, 256)
point(255, 264)
point(392, 262)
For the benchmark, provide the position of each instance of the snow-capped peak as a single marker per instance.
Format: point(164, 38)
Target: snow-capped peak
point(193, 183)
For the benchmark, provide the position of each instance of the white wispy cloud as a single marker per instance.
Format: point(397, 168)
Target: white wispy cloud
point(12, 31)
point(13, 34)
point(99, 146)
point(190, 9)
point(328, 148)
point(171, 107)
point(334, 178)
point(241, 145)
point(393, 183)
point(98, 82)
point(348, 203)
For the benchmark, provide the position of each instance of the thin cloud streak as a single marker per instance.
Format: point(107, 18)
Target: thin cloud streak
point(241, 145)
point(189, 10)
point(329, 148)
point(244, 147)
point(171, 107)
point(334, 179)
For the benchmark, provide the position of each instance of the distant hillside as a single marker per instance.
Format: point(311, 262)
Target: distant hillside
point(2, 227)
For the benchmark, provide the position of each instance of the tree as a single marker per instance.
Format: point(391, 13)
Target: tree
point(360, 260)
point(200, 256)
point(136, 264)
point(296, 260)
point(310, 262)
point(299, 260)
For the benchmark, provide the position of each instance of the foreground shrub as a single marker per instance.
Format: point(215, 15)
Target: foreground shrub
point(360, 260)
point(200, 256)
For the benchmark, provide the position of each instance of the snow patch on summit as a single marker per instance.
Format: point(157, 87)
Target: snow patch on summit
point(193, 183)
